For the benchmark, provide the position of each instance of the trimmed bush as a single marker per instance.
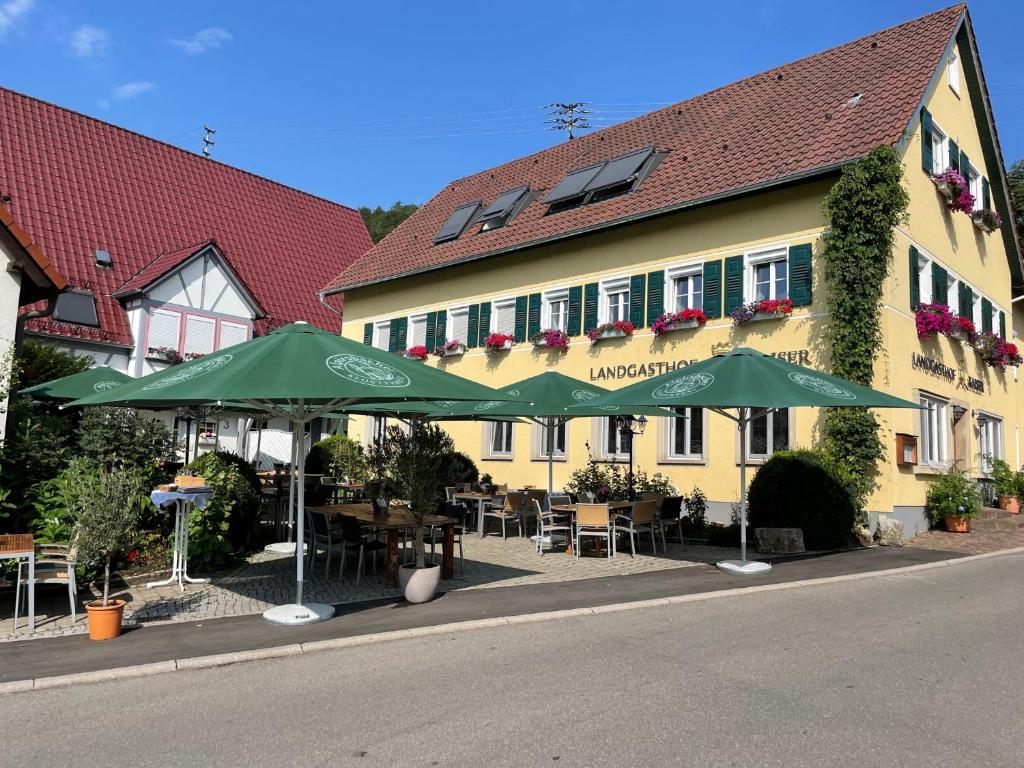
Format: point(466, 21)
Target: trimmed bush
point(224, 527)
point(808, 490)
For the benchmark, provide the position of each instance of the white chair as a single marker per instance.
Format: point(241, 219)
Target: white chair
point(55, 564)
point(594, 521)
point(549, 523)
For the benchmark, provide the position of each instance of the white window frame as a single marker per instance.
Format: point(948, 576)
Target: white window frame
point(772, 256)
point(688, 419)
point(414, 321)
point(539, 452)
point(677, 275)
point(503, 454)
point(507, 302)
point(934, 423)
point(924, 275)
point(154, 310)
point(974, 184)
point(612, 286)
point(770, 419)
point(990, 439)
point(230, 323)
point(940, 149)
point(604, 423)
point(449, 326)
point(549, 298)
point(953, 72)
point(380, 328)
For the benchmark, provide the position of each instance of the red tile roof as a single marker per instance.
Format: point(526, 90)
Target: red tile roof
point(78, 184)
point(34, 254)
point(794, 120)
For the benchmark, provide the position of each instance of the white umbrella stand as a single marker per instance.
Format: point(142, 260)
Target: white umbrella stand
point(743, 566)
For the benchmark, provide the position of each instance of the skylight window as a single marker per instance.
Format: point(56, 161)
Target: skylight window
point(620, 170)
point(574, 184)
point(501, 210)
point(78, 307)
point(602, 180)
point(457, 222)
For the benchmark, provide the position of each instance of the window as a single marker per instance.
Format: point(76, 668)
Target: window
point(503, 316)
point(686, 434)
point(687, 291)
point(417, 331)
point(558, 447)
point(769, 275)
point(974, 184)
point(614, 443)
point(378, 426)
point(382, 335)
point(990, 440)
point(615, 300)
point(458, 324)
point(499, 439)
point(556, 309)
point(207, 430)
point(231, 334)
point(199, 335)
point(934, 431)
point(953, 72)
point(767, 433)
point(924, 271)
point(164, 330)
point(940, 150)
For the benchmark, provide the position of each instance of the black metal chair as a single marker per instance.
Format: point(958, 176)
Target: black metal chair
point(671, 515)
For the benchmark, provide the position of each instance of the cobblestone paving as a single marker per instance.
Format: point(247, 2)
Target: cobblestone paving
point(974, 543)
point(267, 579)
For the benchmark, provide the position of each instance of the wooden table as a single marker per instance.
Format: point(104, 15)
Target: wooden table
point(395, 520)
point(481, 499)
point(21, 546)
point(614, 507)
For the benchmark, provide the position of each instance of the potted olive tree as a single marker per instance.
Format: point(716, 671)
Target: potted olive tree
point(106, 506)
point(953, 499)
point(1008, 486)
point(414, 462)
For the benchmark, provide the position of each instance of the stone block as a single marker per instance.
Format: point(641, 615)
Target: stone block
point(779, 541)
point(890, 532)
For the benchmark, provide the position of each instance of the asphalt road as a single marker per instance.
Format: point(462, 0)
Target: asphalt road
point(915, 670)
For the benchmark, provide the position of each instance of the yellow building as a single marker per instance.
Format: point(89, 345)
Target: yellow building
point(713, 204)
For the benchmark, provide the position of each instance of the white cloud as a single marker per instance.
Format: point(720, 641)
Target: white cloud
point(130, 90)
point(203, 41)
point(11, 13)
point(89, 41)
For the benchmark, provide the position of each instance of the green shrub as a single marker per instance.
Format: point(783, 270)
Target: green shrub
point(952, 494)
point(457, 468)
point(219, 531)
point(804, 489)
point(657, 484)
point(696, 506)
point(124, 437)
point(338, 456)
point(1007, 482)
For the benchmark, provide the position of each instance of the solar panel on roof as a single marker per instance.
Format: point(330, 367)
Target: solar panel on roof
point(78, 307)
point(620, 169)
point(574, 183)
point(457, 222)
point(503, 204)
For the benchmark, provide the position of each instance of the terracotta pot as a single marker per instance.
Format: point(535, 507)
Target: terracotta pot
point(105, 622)
point(1009, 504)
point(958, 524)
point(419, 584)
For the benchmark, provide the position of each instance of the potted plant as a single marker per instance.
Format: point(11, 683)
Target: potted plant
point(617, 330)
point(962, 329)
point(765, 309)
point(498, 342)
point(451, 348)
point(996, 351)
point(1008, 486)
point(931, 319)
point(106, 506)
point(552, 338)
point(676, 321)
point(953, 499)
point(986, 220)
point(414, 461)
point(418, 352)
point(952, 186)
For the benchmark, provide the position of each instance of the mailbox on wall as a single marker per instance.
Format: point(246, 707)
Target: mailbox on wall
point(906, 450)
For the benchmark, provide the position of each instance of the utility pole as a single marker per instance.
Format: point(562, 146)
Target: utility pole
point(569, 117)
point(208, 141)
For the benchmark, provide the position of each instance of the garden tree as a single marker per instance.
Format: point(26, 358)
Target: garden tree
point(1015, 178)
point(863, 208)
point(122, 436)
point(224, 527)
point(380, 222)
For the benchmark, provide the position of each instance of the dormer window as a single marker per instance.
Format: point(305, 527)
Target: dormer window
point(76, 307)
point(507, 204)
point(457, 222)
point(602, 181)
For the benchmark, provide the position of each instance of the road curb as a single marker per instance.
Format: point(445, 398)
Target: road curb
point(315, 646)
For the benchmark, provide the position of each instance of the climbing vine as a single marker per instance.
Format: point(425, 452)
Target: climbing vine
point(863, 208)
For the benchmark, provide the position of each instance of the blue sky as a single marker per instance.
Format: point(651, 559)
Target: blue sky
point(372, 102)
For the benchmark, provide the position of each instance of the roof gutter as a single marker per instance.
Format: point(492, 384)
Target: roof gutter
point(782, 181)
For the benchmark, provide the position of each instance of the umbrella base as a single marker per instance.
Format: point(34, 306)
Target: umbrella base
point(282, 548)
point(743, 567)
point(293, 615)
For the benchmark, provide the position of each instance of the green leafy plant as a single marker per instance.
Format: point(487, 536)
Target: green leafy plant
point(219, 530)
point(339, 456)
point(1004, 478)
point(656, 484)
point(457, 468)
point(952, 494)
point(123, 437)
point(696, 505)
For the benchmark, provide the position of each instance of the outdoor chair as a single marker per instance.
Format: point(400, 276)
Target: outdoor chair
point(449, 493)
point(670, 515)
point(533, 495)
point(324, 533)
point(549, 523)
point(640, 519)
point(354, 537)
point(55, 565)
point(557, 499)
point(460, 513)
point(594, 521)
point(510, 508)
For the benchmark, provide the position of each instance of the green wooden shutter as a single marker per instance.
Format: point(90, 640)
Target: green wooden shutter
point(966, 301)
point(986, 315)
point(927, 161)
point(533, 316)
point(800, 275)
point(573, 321)
point(1002, 324)
point(520, 329)
point(472, 325)
point(965, 167)
point(441, 332)
point(733, 284)
point(713, 288)
point(485, 322)
point(954, 156)
point(367, 333)
point(396, 342)
point(637, 284)
point(429, 342)
point(655, 295)
point(986, 194)
point(915, 278)
point(591, 292)
point(940, 285)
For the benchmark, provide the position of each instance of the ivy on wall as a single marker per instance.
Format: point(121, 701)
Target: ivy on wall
point(863, 208)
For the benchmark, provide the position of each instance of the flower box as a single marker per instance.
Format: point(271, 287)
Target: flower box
point(617, 330)
point(551, 338)
point(611, 335)
point(451, 348)
point(498, 342)
point(952, 186)
point(451, 353)
point(419, 352)
point(945, 189)
point(986, 220)
point(678, 321)
point(767, 309)
point(163, 355)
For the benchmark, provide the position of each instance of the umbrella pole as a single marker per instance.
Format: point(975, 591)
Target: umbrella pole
point(291, 484)
point(300, 481)
point(550, 429)
point(742, 426)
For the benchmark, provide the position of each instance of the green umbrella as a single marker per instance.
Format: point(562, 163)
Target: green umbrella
point(78, 385)
point(297, 372)
point(753, 384)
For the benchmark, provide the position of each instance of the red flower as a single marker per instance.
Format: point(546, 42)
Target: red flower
point(419, 352)
point(495, 342)
point(133, 556)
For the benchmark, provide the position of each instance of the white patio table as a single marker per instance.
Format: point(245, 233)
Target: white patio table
point(183, 501)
